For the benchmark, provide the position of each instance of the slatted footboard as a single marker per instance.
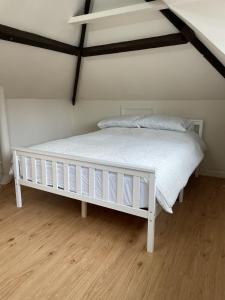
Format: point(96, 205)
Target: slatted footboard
point(52, 173)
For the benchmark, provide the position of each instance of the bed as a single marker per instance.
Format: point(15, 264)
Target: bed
point(133, 170)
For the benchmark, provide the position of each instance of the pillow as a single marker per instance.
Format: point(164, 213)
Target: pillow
point(120, 121)
point(164, 123)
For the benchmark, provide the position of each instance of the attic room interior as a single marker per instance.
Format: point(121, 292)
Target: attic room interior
point(112, 149)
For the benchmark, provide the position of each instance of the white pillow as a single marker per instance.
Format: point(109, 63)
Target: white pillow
point(164, 123)
point(119, 121)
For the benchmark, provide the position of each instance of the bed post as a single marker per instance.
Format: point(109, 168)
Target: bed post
point(16, 178)
point(83, 209)
point(151, 214)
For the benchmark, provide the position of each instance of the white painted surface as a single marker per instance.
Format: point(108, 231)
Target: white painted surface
point(134, 148)
point(21, 179)
point(207, 18)
point(88, 113)
point(44, 17)
point(171, 73)
point(33, 121)
point(78, 163)
point(124, 10)
point(125, 28)
point(27, 72)
point(4, 142)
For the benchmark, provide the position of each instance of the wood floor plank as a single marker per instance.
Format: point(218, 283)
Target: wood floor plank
point(49, 252)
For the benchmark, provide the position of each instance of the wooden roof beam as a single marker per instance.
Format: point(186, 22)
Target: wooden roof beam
point(147, 43)
point(23, 37)
point(191, 37)
point(87, 6)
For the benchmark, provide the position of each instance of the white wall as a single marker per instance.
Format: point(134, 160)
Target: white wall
point(33, 121)
point(4, 142)
point(28, 72)
point(171, 73)
point(174, 73)
point(174, 80)
point(45, 17)
point(179, 78)
point(88, 113)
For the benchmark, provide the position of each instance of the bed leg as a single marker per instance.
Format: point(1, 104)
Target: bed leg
point(151, 214)
point(83, 209)
point(19, 202)
point(181, 196)
point(151, 235)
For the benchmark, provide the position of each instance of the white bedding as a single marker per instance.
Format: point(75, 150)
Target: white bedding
point(173, 155)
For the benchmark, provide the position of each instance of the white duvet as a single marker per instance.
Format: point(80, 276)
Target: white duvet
point(173, 155)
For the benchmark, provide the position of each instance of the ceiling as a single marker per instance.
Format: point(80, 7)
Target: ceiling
point(49, 17)
point(207, 19)
point(28, 72)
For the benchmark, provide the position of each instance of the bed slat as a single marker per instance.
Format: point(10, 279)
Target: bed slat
point(78, 179)
point(120, 178)
point(24, 168)
point(105, 185)
point(33, 170)
point(91, 183)
point(136, 191)
point(54, 174)
point(43, 172)
point(66, 177)
point(65, 163)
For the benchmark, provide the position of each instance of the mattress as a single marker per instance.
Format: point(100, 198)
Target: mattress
point(173, 156)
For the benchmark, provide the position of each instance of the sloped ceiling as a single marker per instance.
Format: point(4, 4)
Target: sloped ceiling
point(27, 72)
point(207, 19)
point(44, 17)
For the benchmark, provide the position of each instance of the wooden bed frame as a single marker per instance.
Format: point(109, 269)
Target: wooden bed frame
point(20, 174)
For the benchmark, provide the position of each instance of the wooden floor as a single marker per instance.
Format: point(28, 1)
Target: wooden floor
point(48, 252)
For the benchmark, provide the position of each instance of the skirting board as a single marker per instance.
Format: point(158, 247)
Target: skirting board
point(5, 178)
point(213, 173)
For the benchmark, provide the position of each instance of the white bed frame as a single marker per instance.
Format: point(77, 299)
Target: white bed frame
point(120, 169)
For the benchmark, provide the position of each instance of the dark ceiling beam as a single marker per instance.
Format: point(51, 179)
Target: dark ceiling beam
point(191, 37)
point(23, 37)
point(79, 57)
point(147, 43)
